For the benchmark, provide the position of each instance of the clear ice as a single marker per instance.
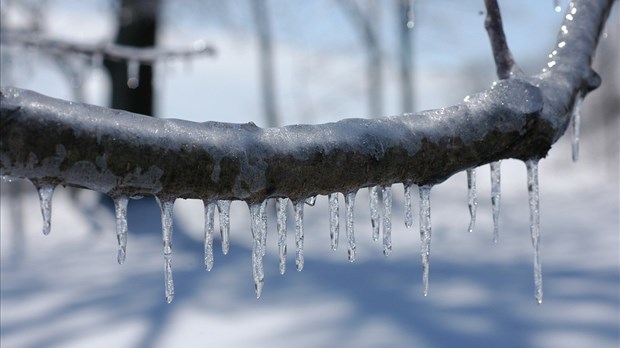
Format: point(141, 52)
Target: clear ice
point(133, 74)
point(263, 226)
point(258, 271)
point(425, 233)
point(299, 235)
point(495, 197)
point(334, 223)
point(166, 206)
point(209, 227)
point(408, 209)
point(575, 126)
point(223, 208)
point(349, 202)
point(311, 201)
point(120, 208)
point(373, 198)
point(556, 6)
point(410, 15)
point(46, 191)
point(281, 204)
point(472, 200)
point(387, 220)
point(532, 190)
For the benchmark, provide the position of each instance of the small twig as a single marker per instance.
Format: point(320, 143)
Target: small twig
point(109, 51)
point(506, 66)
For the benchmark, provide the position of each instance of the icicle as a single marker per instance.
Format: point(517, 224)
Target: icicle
point(120, 207)
point(311, 201)
point(258, 271)
point(472, 200)
point(575, 123)
point(532, 190)
point(299, 234)
point(374, 211)
point(133, 74)
point(410, 15)
point(281, 204)
point(425, 233)
point(334, 223)
point(209, 222)
point(408, 211)
point(263, 226)
point(556, 6)
point(495, 197)
point(349, 201)
point(166, 224)
point(223, 208)
point(387, 220)
point(46, 191)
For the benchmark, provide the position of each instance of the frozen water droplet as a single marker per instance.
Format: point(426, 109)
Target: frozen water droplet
point(495, 197)
point(387, 220)
point(410, 15)
point(46, 191)
point(133, 74)
point(373, 193)
point(208, 240)
point(281, 204)
point(311, 201)
point(472, 200)
point(575, 126)
point(408, 210)
point(334, 223)
point(532, 190)
point(166, 206)
point(258, 271)
point(120, 208)
point(299, 235)
point(349, 202)
point(556, 6)
point(425, 234)
point(223, 208)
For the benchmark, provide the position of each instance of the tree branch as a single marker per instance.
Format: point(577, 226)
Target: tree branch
point(117, 152)
point(506, 66)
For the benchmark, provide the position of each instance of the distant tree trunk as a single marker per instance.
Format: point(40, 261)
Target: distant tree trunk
point(267, 79)
point(137, 26)
point(405, 28)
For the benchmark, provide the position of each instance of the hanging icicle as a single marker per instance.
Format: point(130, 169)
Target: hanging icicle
point(387, 219)
point(556, 6)
point(133, 74)
point(334, 223)
point(258, 271)
point(425, 234)
point(263, 226)
point(208, 240)
point(311, 201)
point(410, 14)
point(532, 190)
point(349, 202)
point(373, 193)
point(224, 216)
point(472, 199)
point(46, 191)
point(299, 235)
point(408, 208)
point(281, 204)
point(166, 205)
point(575, 126)
point(495, 197)
point(120, 208)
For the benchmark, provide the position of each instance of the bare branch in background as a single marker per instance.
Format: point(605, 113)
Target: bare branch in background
point(506, 66)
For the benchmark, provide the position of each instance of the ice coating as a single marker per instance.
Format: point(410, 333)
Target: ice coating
point(533, 198)
point(208, 239)
point(166, 206)
point(258, 272)
point(349, 202)
point(299, 235)
point(408, 208)
point(495, 197)
point(46, 191)
point(373, 193)
point(263, 226)
point(556, 6)
point(472, 199)
point(387, 220)
point(281, 204)
point(575, 126)
point(120, 208)
point(334, 223)
point(223, 208)
point(311, 201)
point(425, 234)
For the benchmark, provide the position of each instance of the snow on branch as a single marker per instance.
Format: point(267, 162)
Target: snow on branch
point(119, 153)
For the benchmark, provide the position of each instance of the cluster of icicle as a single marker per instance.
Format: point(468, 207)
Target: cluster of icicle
point(380, 214)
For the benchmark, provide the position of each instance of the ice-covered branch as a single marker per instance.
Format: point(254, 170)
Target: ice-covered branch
point(122, 153)
point(109, 51)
